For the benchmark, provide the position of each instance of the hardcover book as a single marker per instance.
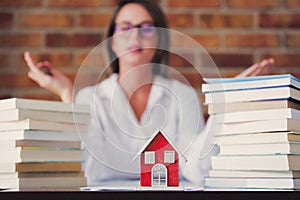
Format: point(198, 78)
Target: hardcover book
point(254, 174)
point(246, 116)
point(31, 124)
point(259, 138)
point(44, 183)
point(256, 162)
point(43, 135)
point(251, 106)
point(260, 149)
point(269, 183)
point(255, 82)
point(261, 94)
point(45, 105)
point(24, 154)
point(13, 144)
point(22, 114)
point(11, 167)
point(273, 125)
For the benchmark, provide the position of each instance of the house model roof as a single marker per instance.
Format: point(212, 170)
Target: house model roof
point(151, 139)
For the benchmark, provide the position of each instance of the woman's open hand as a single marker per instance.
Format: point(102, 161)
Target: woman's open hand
point(258, 69)
point(49, 78)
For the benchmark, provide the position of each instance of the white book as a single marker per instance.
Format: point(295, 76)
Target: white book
point(40, 174)
point(39, 135)
point(40, 155)
point(256, 162)
point(258, 138)
point(276, 93)
point(45, 105)
point(260, 149)
point(13, 144)
point(30, 124)
point(245, 116)
point(253, 174)
point(249, 83)
point(249, 106)
point(12, 167)
point(268, 183)
point(273, 125)
point(22, 114)
point(43, 183)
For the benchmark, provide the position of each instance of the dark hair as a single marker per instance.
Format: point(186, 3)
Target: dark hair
point(159, 19)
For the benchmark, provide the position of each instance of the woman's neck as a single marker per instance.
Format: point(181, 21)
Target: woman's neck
point(135, 79)
point(136, 84)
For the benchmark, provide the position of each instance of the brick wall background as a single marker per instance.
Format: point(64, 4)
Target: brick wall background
point(236, 33)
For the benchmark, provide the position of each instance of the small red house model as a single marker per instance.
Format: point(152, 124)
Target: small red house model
point(159, 162)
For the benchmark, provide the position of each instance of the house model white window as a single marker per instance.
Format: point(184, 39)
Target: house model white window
point(149, 157)
point(159, 175)
point(169, 157)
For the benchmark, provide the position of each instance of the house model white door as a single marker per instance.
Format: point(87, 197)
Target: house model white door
point(159, 176)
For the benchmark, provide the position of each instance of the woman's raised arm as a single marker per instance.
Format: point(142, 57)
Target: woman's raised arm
point(49, 78)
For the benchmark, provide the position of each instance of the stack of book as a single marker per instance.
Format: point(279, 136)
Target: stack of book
point(257, 126)
point(40, 146)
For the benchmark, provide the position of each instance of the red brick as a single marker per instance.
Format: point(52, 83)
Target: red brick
point(232, 59)
point(193, 78)
point(80, 57)
point(207, 40)
point(20, 40)
point(15, 80)
point(111, 2)
point(94, 20)
point(182, 60)
point(89, 60)
point(194, 4)
point(182, 40)
point(292, 39)
point(284, 59)
point(20, 80)
point(37, 94)
point(72, 40)
point(292, 3)
point(226, 21)
point(57, 59)
point(5, 61)
point(246, 4)
point(44, 20)
point(20, 3)
point(34, 92)
point(279, 20)
point(252, 40)
point(6, 20)
point(75, 4)
point(180, 20)
point(6, 95)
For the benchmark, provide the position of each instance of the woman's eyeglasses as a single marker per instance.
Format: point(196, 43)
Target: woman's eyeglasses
point(146, 29)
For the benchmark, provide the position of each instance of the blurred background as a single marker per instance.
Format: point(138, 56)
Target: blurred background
point(236, 33)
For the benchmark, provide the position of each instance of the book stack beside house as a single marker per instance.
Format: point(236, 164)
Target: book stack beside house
point(40, 146)
point(257, 128)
